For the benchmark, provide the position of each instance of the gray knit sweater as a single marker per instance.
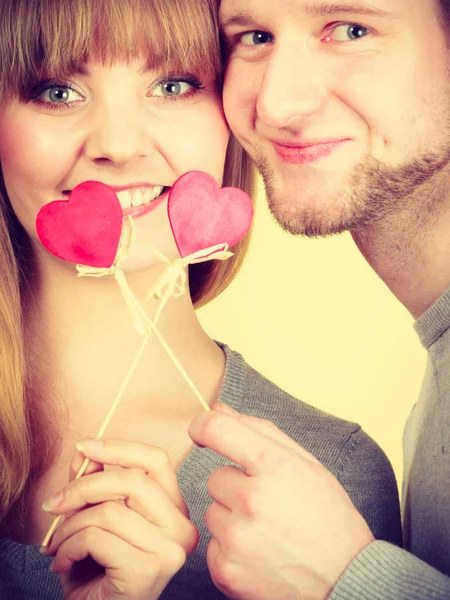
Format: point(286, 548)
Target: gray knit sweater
point(383, 572)
point(342, 447)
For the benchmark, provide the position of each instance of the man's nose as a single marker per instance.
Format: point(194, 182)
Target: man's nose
point(292, 88)
point(116, 134)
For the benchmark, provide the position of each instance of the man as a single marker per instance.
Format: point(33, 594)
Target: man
point(345, 108)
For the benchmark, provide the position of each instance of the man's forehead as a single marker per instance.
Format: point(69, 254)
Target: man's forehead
point(241, 12)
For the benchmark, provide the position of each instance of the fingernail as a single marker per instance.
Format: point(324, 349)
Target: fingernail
point(227, 409)
point(53, 502)
point(91, 447)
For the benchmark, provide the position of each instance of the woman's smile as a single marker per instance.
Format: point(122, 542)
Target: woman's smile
point(127, 125)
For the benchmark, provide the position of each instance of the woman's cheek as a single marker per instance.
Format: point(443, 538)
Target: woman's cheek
point(212, 144)
point(29, 154)
point(33, 165)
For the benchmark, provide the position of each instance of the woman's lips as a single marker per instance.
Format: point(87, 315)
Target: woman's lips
point(138, 199)
point(139, 211)
point(308, 153)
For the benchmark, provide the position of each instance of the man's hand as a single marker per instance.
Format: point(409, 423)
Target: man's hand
point(284, 528)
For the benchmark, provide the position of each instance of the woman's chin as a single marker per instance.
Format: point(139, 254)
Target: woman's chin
point(135, 265)
point(151, 262)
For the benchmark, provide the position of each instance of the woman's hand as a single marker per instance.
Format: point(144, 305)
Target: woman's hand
point(129, 526)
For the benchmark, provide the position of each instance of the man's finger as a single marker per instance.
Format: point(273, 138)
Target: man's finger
point(227, 485)
point(265, 427)
point(243, 442)
point(217, 519)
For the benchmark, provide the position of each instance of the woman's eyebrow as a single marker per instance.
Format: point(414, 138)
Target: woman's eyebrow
point(242, 18)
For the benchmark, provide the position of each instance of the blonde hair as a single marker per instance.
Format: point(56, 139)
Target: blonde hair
point(57, 36)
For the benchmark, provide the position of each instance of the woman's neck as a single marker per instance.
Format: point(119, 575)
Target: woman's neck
point(82, 339)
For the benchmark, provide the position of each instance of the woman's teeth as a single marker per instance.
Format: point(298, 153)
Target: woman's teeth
point(139, 196)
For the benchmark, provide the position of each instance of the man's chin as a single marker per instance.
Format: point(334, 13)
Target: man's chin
point(317, 216)
point(327, 207)
point(310, 226)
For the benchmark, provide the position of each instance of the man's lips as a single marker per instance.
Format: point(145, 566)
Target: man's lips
point(307, 152)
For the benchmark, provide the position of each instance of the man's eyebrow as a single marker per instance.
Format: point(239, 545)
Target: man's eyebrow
point(319, 9)
point(316, 9)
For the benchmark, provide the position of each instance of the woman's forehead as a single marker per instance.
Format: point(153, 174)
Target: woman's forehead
point(64, 35)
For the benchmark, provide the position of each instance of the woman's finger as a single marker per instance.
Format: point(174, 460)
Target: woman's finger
point(154, 461)
point(77, 462)
point(139, 492)
point(113, 518)
point(127, 568)
point(127, 525)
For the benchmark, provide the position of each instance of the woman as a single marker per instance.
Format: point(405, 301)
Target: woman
point(126, 92)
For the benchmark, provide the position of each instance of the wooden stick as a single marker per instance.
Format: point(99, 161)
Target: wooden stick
point(103, 427)
point(140, 316)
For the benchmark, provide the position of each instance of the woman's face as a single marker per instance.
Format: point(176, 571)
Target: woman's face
point(123, 125)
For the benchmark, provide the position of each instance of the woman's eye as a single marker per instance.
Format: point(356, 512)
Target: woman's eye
point(256, 38)
point(58, 94)
point(348, 32)
point(171, 89)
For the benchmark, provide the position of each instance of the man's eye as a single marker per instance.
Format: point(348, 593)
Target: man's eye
point(256, 38)
point(172, 88)
point(348, 32)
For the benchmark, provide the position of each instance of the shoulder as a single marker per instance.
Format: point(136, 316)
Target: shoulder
point(351, 455)
point(337, 443)
point(329, 438)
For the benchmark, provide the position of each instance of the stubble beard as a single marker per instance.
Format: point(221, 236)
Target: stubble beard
point(374, 192)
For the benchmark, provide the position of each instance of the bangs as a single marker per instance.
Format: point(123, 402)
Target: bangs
point(58, 37)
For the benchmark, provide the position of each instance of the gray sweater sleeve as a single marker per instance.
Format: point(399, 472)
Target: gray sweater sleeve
point(366, 473)
point(384, 572)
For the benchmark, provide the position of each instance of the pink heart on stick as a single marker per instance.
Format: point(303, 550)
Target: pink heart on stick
point(202, 215)
point(86, 228)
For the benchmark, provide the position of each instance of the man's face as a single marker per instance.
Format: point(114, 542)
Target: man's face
point(344, 106)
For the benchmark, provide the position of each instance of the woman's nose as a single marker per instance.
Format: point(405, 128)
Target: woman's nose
point(116, 135)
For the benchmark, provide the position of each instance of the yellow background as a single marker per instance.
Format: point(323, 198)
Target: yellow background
point(313, 317)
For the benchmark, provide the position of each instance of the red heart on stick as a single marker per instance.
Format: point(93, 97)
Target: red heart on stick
point(202, 215)
point(86, 228)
